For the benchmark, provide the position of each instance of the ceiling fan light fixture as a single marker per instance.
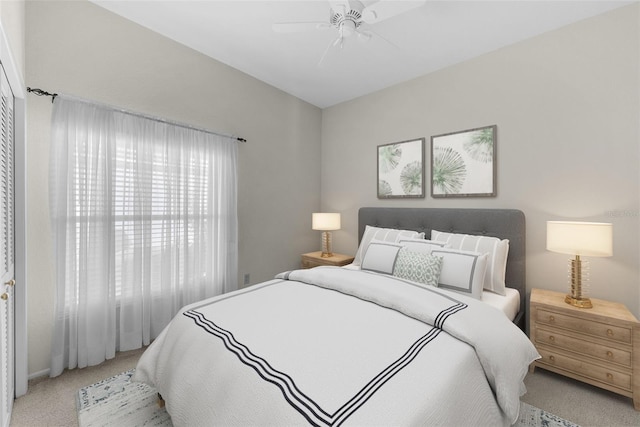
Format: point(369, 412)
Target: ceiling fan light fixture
point(348, 27)
point(347, 20)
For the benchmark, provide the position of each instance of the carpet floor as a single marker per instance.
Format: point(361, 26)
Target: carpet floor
point(116, 401)
point(53, 401)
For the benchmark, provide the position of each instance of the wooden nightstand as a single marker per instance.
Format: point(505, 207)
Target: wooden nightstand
point(599, 345)
point(313, 259)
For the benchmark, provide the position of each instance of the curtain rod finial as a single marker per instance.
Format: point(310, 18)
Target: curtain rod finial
point(40, 92)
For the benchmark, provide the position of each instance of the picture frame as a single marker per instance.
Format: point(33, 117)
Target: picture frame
point(463, 164)
point(401, 170)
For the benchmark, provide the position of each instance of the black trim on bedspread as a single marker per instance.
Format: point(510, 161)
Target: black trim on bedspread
point(302, 403)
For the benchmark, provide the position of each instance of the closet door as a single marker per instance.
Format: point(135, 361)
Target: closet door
point(7, 233)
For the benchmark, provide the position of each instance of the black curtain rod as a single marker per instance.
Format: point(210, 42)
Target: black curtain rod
point(41, 92)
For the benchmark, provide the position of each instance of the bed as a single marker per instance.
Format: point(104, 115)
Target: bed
point(355, 345)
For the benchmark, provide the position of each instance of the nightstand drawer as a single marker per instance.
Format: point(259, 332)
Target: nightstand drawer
point(589, 327)
point(605, 353)
point(589, 370)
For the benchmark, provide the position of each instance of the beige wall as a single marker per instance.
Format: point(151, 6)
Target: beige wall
point(81, 49)
point(12, 17)
point(566, 105)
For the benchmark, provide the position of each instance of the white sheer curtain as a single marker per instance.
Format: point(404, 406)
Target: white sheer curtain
point(144, 222)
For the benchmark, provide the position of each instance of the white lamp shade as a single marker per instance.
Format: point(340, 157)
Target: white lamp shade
point(325, 221)
point(580, 238)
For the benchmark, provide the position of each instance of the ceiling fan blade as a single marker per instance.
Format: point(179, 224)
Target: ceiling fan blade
point(331, 45)
point(384, 39)
point(364, 35)
point(385, 9)
point(299, 27)
point(340, 5)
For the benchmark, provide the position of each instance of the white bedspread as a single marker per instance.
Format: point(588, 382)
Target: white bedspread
point(332, 346)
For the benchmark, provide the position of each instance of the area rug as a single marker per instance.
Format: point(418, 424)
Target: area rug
point(117, 402)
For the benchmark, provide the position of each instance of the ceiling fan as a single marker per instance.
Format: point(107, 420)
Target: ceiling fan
point(352, 18)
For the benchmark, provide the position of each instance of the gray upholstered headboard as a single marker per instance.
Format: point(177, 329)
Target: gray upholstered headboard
point(502, 223)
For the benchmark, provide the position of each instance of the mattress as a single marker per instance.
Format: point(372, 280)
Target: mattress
point(509, 304)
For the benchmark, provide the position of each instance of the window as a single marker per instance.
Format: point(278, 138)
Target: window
point(144, 219)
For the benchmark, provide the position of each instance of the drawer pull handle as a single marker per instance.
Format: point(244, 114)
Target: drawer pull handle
point(552, 358)
point(609, 354)
point(609, 376)
point(609, 332)
point(552, 338)
point(552, 319)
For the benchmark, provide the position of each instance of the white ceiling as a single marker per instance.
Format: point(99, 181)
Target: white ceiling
point(435, 35)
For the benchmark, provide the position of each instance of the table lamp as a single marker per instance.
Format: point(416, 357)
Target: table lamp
point(325, 222)
point(579, 239)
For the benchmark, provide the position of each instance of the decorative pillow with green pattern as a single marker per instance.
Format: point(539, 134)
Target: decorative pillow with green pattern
point(418, 267)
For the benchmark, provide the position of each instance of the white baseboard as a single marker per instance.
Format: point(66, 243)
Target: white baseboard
point(43, 373)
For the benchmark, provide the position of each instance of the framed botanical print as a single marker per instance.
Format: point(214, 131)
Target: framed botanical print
point(463, 164)
point(401, 169)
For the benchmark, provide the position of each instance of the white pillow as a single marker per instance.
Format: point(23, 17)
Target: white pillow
point(462, 271)
point(385, 234)
point(380, 257)
point(421, 245)
point(418, 267)
point(496, 249)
